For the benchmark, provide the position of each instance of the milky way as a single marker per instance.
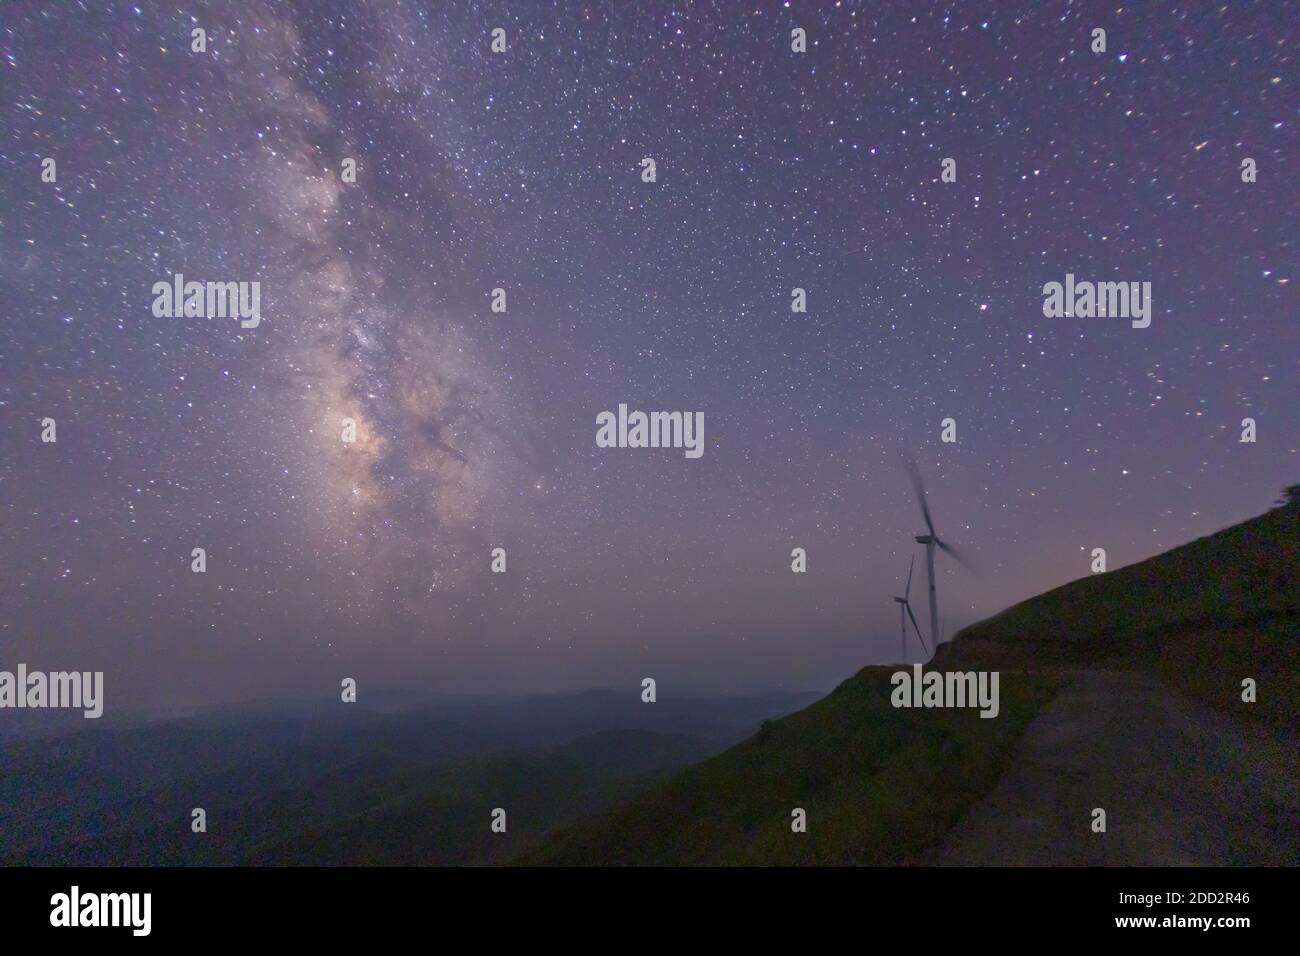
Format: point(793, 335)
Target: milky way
point(475, 429)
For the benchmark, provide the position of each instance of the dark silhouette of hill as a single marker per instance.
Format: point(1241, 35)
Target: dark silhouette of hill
point(377, 810)
point(70, 790)
point(266, 775)
point(1203, 616)
point(880, 785)
point(443, 817)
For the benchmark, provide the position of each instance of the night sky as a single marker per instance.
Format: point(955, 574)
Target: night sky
point(522, 170)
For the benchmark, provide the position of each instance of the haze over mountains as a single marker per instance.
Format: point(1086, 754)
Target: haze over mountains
point(271, 777)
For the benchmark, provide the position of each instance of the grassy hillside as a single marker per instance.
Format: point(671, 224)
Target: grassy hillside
point(881, 784)
point(878, 785)
point(1202, 616)
point(443, 817)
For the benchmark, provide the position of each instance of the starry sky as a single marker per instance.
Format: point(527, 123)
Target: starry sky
point(522, 170)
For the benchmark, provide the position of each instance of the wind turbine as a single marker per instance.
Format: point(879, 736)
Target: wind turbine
point(905, 611)
point(931, 541)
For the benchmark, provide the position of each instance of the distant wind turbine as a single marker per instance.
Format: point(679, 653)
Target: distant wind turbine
point(931, 541)
point(905, 611)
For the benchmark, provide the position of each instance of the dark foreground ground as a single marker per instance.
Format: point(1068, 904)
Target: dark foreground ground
point(1181, 784)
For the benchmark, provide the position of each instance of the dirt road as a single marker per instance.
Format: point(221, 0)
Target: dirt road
point(1181, 784)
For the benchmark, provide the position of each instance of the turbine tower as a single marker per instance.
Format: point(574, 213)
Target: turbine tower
point(905, 611)
point(931, 541)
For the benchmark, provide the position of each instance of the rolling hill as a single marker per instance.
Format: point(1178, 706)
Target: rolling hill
point(315, 782)
point(441, 817)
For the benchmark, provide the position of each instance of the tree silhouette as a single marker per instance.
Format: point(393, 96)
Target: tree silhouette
point(1290, 497)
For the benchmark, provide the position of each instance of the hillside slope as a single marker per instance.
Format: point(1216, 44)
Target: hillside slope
point(1202, 616)
point(877, 785)
point(882, 785)
point(1242, 574)
point(442, 817)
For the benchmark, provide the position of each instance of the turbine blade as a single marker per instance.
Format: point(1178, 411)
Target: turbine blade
point(954, 554)
point(915, 628)
point(907, 592)
point(918, 486)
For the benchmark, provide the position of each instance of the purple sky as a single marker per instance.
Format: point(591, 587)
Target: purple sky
point(522, 170)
